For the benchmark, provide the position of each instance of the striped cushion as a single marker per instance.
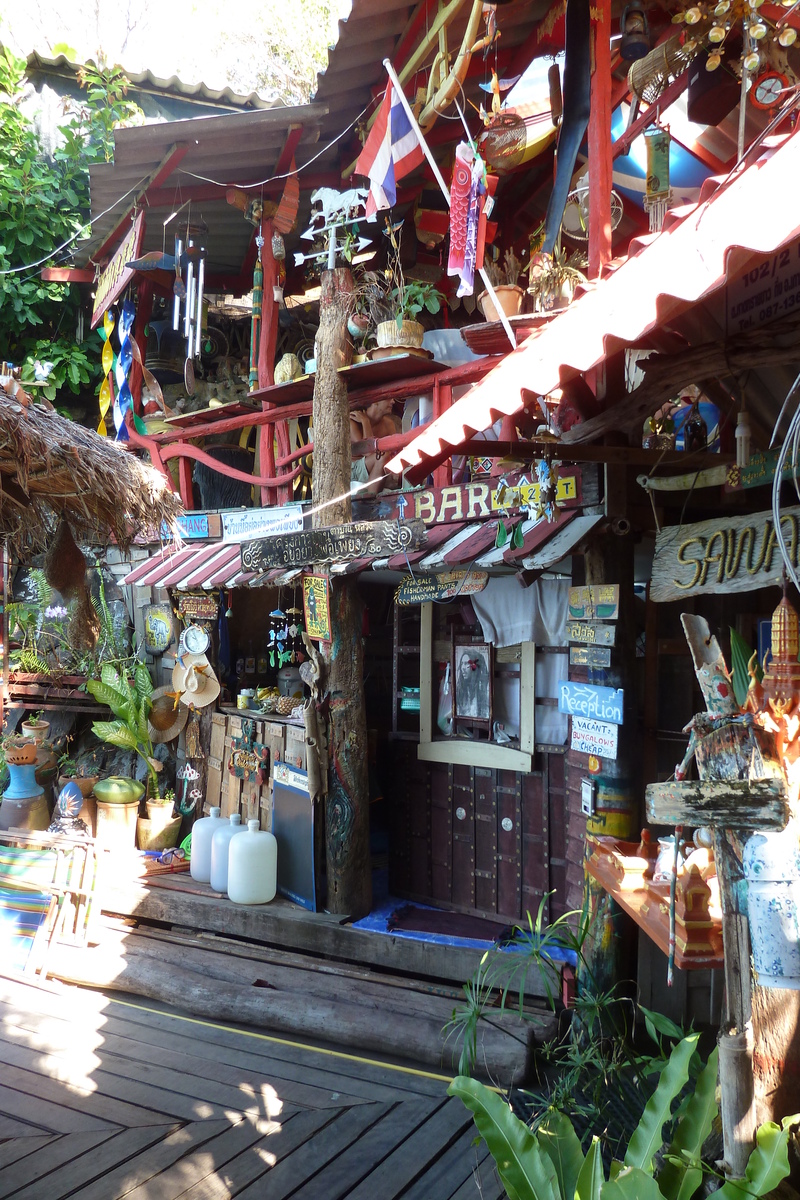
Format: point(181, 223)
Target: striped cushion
point(21, 917)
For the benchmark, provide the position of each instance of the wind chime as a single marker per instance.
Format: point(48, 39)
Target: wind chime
point(188, 294)
point(658, 192)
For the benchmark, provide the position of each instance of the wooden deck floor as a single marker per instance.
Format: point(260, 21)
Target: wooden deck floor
point(102, 1098)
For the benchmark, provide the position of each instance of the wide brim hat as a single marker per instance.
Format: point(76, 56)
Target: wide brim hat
point(193, 676)
point(179, 715)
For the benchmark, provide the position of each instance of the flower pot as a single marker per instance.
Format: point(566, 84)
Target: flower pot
point(151, 835)
point(22, 752)
point(117, 789)
point(159, 812)
point(85, 782)
point(116, 825)
point(509, 297)
point(38, 730)
point(408, 333)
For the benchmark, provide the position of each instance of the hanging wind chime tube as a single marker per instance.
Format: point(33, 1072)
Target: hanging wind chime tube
point(201, 279)
point(255, 323)
point(107, 360)
point(657, 189)
point(178, 287)
point(189, 304)
point(123, 401)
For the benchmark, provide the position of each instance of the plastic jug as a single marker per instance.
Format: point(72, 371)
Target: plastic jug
point(200, 857)
point(253, 867)
point(219, 851)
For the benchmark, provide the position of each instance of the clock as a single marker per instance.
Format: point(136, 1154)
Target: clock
point(767, 88)
point(195, 639)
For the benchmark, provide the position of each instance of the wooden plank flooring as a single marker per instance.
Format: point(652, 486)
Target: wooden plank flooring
point(104, 1098)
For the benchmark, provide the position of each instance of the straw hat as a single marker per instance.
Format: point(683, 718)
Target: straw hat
point(193, 676)
point(167, 717)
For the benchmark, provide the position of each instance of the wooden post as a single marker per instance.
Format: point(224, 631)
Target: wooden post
point(347, 807)
point(600, 160)
point(733, 809)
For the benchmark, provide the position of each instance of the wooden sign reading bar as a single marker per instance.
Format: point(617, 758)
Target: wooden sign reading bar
point(337, 543)
point(591, 633)
point(598, 602)
point(736, 554)
point(589, 656)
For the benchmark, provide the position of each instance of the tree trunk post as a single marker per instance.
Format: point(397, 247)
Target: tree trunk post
point(347, 808)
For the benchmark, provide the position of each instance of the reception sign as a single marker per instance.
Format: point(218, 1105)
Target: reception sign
point(586, 700)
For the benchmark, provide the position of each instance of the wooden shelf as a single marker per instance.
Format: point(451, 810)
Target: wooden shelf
point(359, 375)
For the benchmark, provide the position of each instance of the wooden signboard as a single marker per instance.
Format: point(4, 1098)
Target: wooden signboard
point(480, 500)
point(586, 700)
point(591, 633)
point(316, 607)
point(418, 589)
point(589, 656)
point(116, 275)
point(594, 737)
point(733, 554)
point(599, 602)
point(198, 607)
point(759, 472)
point(337, 543)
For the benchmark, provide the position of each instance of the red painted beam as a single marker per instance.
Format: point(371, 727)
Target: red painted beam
point(67, 274)
point(286, 155)
point(156, 178)
point(600, 158)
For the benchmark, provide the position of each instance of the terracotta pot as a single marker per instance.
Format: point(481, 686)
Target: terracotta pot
point(509, 297)
point(22, 752)
point(85, 782)
point(159, 813)
point(409, 333)
point(151, 836)
point(38, 730)
point(116, 825)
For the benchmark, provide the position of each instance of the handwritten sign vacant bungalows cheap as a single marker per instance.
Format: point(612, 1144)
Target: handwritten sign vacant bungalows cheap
point(735, 554)
point(594, 737)
point(585, 700)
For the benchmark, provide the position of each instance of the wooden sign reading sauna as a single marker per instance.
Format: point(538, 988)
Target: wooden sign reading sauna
point(722, 555)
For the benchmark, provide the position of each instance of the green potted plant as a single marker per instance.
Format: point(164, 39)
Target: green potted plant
point(504, 278)
point(79, 773)
point(35, 727)
point(394, 302)
point(130, 729)
point(553, 278)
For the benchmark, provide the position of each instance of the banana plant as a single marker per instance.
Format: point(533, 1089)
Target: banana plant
point(550, 1164)
point(131, 707)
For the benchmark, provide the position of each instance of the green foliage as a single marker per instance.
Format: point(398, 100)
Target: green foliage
point(131, 708)
point(549, 1164)
point(679, 1178)
point(741, 654)
point(44, 203)
point(412, 297)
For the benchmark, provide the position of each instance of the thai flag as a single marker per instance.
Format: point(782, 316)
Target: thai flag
point(390, 152)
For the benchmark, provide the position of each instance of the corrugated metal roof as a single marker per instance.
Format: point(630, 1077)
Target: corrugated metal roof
point(146, 80)
point(665, 275)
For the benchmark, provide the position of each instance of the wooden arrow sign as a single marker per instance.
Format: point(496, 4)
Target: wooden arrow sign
point(337, 543)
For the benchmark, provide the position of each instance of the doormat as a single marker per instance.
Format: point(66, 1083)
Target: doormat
point(409, 918)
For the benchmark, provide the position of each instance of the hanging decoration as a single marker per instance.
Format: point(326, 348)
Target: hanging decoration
point(467, 192)
point(107, 359)
point(545, 504)
point(710, 24)
point(255, 323)
point(657, 189)
point(123, 401)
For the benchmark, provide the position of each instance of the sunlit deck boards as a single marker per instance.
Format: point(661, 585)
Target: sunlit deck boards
point(104, 1099)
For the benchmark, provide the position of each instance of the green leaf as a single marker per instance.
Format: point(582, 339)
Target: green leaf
point(558, 1139)
point(115, 732)
point(661, 1023)
point(680, 1181)
point(113, 679)
point(590, 1177)
point(631, 1184)
point(740, 659)
point(142, 681)
point(648, 1136)
point(110, 696)
point(525, 1171)
point(766, 1166)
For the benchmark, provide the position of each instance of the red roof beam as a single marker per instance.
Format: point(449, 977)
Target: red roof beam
point(169, 162)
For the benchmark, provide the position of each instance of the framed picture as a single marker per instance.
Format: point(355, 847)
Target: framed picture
point(472, 672)
point(316, 607)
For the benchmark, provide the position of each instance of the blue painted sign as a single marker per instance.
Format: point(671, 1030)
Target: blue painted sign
point(584, 700)
point(190, 525)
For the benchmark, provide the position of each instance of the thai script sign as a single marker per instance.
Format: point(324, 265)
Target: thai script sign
point(585, 700)
point(250, 522)
point(594, 737)
point(337, 543)
point(116, 275)
point(417, 589)
point(596, 602)
point(591, 632)
point(198, 606)
point(759, 472)
point(736, 554)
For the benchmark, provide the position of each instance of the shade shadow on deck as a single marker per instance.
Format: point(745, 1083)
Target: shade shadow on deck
point(104, 1098)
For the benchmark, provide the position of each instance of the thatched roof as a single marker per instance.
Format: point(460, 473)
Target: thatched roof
point(51, 467)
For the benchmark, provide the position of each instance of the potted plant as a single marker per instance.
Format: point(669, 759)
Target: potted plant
point(394, 302)
point(505, 281)
point(70, 770)
point(553, 278)
point(160, 829)
point(35, 727)
point(131, 706)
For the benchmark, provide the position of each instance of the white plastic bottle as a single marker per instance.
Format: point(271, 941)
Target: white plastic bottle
point(219, 850)
point(253, 867)
point(200, 856)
